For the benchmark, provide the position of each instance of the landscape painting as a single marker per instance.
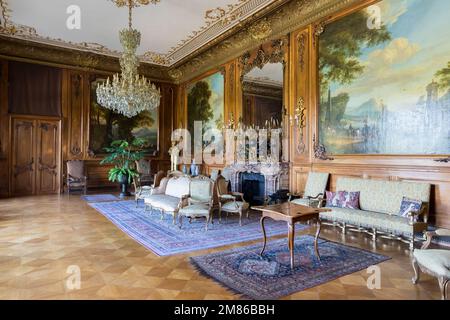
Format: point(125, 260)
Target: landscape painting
point(384, 75)
point(106, 126)
point(205, 102)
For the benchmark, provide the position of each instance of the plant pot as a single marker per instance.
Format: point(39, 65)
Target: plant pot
point(123, 180)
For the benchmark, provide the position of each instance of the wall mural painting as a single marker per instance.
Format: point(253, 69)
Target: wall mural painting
point(106, 126)
point(385, 87)
point(205, 102)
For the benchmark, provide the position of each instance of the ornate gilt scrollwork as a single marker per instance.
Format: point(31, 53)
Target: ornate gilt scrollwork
point(300, 121)
point(320, 152)
point(274, 55)
point(319, 28)
point(301, 51)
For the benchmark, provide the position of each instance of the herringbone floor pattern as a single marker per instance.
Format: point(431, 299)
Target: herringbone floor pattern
point(40, 237)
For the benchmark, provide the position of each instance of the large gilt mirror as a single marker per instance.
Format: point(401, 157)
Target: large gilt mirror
point(262, 85)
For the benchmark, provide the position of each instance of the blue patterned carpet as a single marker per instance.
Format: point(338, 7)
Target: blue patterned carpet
point(100, 197)
point(270, 277)
point(164, 238)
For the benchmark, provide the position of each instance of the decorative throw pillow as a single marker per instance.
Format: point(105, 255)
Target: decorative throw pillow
point(349, 200)
point(332, 199)
point(409, 205)
point(343, 199)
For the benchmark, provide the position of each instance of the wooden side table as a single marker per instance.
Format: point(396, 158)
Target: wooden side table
point(291, 213)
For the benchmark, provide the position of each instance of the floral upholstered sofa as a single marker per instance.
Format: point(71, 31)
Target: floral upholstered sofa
point(380, 203)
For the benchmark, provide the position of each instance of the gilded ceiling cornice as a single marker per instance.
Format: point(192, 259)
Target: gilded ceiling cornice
point(17, 49)
point(289, 17)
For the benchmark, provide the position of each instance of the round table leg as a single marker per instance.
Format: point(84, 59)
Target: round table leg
point(264, 234)
point(291, 236)
point(316, 249)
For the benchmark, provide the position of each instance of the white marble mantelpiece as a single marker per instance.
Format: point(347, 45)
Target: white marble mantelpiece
point(276, 175)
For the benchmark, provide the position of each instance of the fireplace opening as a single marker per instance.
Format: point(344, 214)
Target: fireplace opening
point(252, 186)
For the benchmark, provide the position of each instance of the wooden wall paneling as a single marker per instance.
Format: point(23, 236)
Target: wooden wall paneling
point(48, 156)
point(76, 123)
point(4, 130)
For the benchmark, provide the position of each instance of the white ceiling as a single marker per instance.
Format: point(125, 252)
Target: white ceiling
point(171, 29)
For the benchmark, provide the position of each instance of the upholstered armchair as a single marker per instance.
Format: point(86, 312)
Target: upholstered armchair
point(143, 168)
point(214, 174)
point(142, 191)
point(434, 262)
point(76, 176)
point(230, 202)
point(200, 201)
point(313, 196)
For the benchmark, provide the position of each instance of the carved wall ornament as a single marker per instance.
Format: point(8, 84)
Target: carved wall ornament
point(300, 122)
point(263, 56)
point(261, 30)
point(301, 40)
point(320, 151)
point(175, 74)
point(319, 28)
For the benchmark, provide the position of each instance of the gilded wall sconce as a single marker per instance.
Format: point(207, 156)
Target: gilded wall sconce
point(299, 121)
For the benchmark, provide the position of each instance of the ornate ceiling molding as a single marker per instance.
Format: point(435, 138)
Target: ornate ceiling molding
point(287, 18)
point(218, 21)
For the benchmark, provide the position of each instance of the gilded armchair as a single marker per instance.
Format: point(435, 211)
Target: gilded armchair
point(200, 201)
point(230, 202)
point(313, 196)
point(434, 262)
point(76, 176)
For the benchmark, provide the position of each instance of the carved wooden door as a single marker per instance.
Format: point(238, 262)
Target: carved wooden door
point(36, 156)
point(48, 153)
point(23, 161)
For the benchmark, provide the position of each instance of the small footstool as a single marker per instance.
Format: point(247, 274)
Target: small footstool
point(434, 262)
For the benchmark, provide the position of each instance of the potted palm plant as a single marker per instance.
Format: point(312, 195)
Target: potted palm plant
point(123, 154)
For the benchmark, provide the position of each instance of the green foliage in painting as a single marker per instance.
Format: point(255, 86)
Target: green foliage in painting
point(199, 106)
point(340, 47)
point(122, 154)
point(443, 76)
point(107, 126)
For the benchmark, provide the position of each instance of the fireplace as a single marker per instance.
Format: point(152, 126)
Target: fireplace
point(265, 178)
point(252, 185)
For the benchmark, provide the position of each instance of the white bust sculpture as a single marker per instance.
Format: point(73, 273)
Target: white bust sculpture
point(174, 152)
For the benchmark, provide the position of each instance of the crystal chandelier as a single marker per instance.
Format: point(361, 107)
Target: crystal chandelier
point(129, 93)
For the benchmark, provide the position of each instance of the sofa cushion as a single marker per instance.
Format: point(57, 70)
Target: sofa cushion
point(306, 202)
point(384, 196)
point(343, 199)
point(369, 219)
point(195, 209)
point(162, 201)
point(437, 261)
point(235, 206)
point(178, 187)
point(408, 206)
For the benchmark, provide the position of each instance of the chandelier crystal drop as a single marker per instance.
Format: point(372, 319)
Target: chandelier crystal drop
point(129, 93)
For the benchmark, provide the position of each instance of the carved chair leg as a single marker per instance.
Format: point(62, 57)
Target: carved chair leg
point(416, 268)
point(162, 214)
point(446, 282)
point(442, 285)
point(220, 215)
point(174, 218)
point(240, 218)
point(374, 235)
point(181, 221)
point(411, 243)
point(344, 228)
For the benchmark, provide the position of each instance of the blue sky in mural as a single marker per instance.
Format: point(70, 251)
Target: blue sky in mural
point(420, 46)
point(217, 85)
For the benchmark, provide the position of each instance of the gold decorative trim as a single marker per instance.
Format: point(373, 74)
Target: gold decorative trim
point(287, 18)
point(319, 28)
point(301, 39)
point(274, 55)
point(300, 120)
point(320, 152)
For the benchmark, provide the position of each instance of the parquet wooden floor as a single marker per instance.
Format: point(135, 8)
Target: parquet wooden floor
point(40, 237)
